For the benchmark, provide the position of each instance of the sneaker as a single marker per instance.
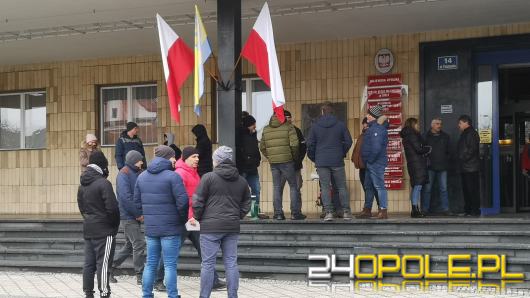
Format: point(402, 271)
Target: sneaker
point(329, 217)
point(112, 279)
point(279, 217)
point(159, 286)
point(219, 285)
point(347, 215)
point(139, 279)
point(299, 216)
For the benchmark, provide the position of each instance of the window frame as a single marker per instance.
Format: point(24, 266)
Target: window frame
point(22, 95)
point(129, 111)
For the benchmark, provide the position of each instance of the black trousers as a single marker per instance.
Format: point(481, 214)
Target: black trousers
point(99, 254)
point(471, 189)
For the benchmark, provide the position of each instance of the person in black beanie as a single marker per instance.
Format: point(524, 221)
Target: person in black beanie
point(129, 140)
point(101, 219)
point(248, 161)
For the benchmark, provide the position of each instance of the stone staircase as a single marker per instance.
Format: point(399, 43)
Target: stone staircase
point(279, 249)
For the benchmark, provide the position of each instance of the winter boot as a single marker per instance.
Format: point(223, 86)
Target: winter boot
point(366, 213)
point(416, 213)
point(382, 214)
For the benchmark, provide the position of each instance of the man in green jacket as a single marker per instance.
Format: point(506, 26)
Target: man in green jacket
point(279, 144)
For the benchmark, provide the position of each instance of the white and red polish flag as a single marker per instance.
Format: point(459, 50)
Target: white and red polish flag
point(260, 50)
point(178, 60)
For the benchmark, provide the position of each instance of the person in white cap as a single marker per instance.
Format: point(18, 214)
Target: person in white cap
point(88, 146)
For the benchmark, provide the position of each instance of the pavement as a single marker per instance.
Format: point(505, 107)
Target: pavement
point(37, 284)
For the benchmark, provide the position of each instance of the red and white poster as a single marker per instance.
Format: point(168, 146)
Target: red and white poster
point(394, 171)
point(387, 91)
point(395, 158)
point(394, 145)
point(384, 80)
point(394, 183)
point(384, 93)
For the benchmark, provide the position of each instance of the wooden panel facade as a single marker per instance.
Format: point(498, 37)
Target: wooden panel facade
point(46, 181)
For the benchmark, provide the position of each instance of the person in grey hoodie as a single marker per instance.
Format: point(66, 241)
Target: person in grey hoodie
point(221, 200)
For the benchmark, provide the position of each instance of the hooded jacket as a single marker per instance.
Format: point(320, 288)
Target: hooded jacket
point(171, 143)
point(204, 146)
point(125, 182)
point(160, 195)
point(221, 200)
point(98, 206)
point(190, 178)
point(279, 142)
point(415, 152)
point(248, 155)
point(375, 141)
point(124, 144)
point(329, 142)
point(468, 150)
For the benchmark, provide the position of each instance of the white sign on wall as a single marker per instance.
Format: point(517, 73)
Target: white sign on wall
point(384, 60)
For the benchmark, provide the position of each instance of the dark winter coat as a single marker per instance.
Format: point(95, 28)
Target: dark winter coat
point(221, 200)
point(373, 148)
point(124, 144)
point(204, 146)
point(279, 142)
point(468, 150)
point(248, 156)
point(98, 205)
point(125, 182)
point(439, 156)
point(302, 149)
point(329, 142)
point(415, 152)
point(161, 196)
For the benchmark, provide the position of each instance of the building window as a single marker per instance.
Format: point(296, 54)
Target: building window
point(23, 120)
point(122, 104)
point(259, 104)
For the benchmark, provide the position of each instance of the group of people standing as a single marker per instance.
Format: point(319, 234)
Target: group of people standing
point(174, 203)
point(183, 191)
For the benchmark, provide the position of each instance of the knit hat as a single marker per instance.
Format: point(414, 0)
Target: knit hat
point(90, 138)
point(188, 151)
point(131, 126)
point(287, 113)
point(164, 152)
point(248, 121)
point(222, 153)
point(376, 111)
point(133, 157)
point(98, 158)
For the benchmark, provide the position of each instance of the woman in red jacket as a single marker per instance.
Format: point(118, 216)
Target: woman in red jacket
point(186, 167)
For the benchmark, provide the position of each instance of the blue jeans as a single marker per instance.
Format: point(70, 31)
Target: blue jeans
point(210, 244)
point(287, 171)
point(338, 174)
point(415, 195)
point(441, 177)
point(253, 182)
point(169, 247)
point(374, 181)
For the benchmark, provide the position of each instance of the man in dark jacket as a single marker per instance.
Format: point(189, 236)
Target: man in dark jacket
point(469, 160)
point(302, 151)
point(128, 141)
point(219, 203)
point(161, 196)
point(438, 140)
point(248, 161)
point(374, 157)
point(328, 144)
point(101, 219)
point(130, 216)
point(204, 146)
point(279, 144)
